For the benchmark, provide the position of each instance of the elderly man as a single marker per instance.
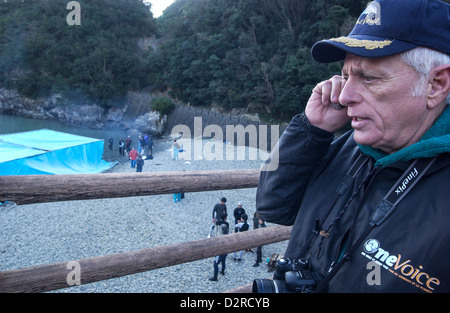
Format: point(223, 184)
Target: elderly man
point(370, 209)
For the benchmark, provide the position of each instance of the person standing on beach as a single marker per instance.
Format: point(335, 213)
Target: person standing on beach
point(121, 147)
point(141, 145)
point(111, 143)
point(133, 156)
point(218, 211)
point(224, 229)
point(139, 164)
point(237, 213)
point(128, 142)
point(176, 197)
point(176, 148)
point(148, 146)
point(240, 227)
point(261, 224)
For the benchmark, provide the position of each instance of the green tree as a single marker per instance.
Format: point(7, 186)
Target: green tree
point(251, 54)
point(163, 105)
point(40, 53)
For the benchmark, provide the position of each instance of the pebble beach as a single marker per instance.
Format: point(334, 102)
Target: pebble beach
point(48, 233)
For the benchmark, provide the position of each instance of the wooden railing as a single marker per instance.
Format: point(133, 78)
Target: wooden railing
point(50, 188)
point(43, 188)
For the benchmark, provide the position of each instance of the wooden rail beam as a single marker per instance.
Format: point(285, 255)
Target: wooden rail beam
point(27, 189)
point(54, 276)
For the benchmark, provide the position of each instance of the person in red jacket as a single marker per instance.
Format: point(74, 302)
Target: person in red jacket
point(133, 156)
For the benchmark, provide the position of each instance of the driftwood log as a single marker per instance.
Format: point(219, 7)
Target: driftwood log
point(29, 189)
point(53, 188)
point(57, 276)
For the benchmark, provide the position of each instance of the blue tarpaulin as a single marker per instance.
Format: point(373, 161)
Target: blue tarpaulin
point(50, 152)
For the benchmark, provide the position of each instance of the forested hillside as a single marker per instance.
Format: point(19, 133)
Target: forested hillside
point(41, 54)
point(248, 54)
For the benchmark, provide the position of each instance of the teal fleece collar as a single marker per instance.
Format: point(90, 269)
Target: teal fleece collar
point(435, 141)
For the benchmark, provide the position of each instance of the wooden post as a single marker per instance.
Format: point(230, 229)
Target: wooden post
point(29, 189)
point(55, 276)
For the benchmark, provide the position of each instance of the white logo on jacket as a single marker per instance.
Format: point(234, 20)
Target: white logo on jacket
point(399, 266)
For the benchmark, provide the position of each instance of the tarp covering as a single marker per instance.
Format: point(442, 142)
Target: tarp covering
point(50, 152)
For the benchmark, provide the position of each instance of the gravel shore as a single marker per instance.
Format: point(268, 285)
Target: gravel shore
point(58, 232)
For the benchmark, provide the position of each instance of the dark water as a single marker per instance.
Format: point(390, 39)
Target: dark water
point(14, 124)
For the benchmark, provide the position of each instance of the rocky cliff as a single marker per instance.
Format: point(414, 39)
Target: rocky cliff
point(91, 115)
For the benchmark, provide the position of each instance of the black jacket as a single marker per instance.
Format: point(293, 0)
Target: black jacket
point(411, 246)
point(218, 211)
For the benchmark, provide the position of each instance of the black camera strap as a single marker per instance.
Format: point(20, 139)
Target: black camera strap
point(383, 210)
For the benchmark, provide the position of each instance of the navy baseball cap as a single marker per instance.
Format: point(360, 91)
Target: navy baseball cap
point(388, 27)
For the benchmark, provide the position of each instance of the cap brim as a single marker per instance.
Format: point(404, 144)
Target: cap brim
point(335, 49)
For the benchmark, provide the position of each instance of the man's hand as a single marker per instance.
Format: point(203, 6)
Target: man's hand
point(321, 108)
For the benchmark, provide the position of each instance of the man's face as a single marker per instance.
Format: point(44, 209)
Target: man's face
point(378, 94)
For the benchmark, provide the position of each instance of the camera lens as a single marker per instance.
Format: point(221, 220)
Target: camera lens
point(264, 286)
point(270, 286)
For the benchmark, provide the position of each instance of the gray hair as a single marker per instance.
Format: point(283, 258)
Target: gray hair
point(423, 60)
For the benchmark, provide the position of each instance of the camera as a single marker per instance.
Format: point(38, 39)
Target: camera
point(290, 276)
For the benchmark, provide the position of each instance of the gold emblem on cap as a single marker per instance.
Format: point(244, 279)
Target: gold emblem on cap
point(368, 44)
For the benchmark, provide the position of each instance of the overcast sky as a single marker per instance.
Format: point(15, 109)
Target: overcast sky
point(159, 5)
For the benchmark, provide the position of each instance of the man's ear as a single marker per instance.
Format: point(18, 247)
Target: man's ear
point(438, 85)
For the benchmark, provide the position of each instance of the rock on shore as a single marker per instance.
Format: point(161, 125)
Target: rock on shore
point(82, 112)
